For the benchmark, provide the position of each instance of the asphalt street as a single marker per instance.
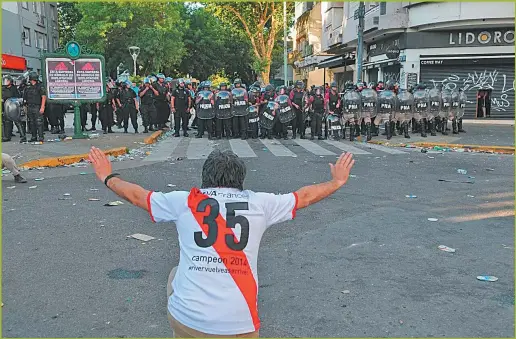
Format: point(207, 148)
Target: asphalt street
point(363, 263)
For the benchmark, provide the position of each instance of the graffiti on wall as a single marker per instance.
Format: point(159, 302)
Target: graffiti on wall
point(475, 81)
point(393, 76)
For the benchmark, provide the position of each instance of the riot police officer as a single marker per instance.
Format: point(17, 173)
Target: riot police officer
point(205, 110)
point(106, 109)
point(405, 110)
point(254, 110)
point(10, 91)
point(333, 112)
point(386, 105)
point(266, 97)
point(462, 107)
point(35, 97)
point(296, 98)
point(224, 112)
point(163, 111)
point(351, 110)
point(148, 109)
point(240, 102)
point(316, 103)
point(180, 106)
point(129, 106)
point(285, 114)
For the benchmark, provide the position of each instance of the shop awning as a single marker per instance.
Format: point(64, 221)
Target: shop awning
point(337, 61)
point(381, 63)
point(311, 60)
point(14, 62)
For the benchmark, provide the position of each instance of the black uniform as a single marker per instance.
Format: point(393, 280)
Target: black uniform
point(7, 125)
point(118, 113)
point(317, 115)
point(298, 124)
point(106, 111)
point(33, 97)
point(161, 104)
point(148, 108)
point(127, 96)
point(181, 96)
point(56, 117)
point(94, 115)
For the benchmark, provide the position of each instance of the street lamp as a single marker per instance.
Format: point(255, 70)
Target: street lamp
point(285, 71)
point(135, 51)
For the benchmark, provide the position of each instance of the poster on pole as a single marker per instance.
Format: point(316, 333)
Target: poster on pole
point(68, 79)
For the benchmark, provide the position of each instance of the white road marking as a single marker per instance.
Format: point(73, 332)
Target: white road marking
point(346, 147)
point(199, 148)
point(277, 148)
point(242, 148)
point(385, 149)
point(163, 150)
point(312, 147)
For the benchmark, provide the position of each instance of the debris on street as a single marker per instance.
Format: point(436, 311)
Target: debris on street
point(142, 237)
point(487, 278)
point(446, 249)
point(114, 203)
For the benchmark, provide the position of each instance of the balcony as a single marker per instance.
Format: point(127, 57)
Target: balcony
point(332, 27)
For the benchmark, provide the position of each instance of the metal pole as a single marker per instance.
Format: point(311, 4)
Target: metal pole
point(134, 66)
point(285, 71)
point(77, 128)
point(360, 42)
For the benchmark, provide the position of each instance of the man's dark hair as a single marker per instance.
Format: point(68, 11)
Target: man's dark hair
point(223, 169)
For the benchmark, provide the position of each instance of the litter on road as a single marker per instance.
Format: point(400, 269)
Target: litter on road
point(94, 189)
point(11, 187)
point(470, 196)
point(432, 219)
point(411, 196)
point(446, 249)
point(462, 171)
point(142, 237)
point(39, 179)
point(114, 203)
point(490, 169)
point(33, 186)
point(487, 278)
point(93, 199)
point(66, 194)
point(346, 292)
point(171, 185)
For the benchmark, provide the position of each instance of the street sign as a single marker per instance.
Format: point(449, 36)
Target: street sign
point(68, 79)
point(72, 77)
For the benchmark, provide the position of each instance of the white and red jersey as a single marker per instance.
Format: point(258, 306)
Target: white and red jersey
point(220, 229)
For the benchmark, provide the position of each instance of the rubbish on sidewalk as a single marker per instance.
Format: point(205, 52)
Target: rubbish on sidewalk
point(93, 199)
point(66, 194)
point(411, 196)
point(94, 189)
point(171, 185)
point(470, 196)
point(346, 292)
point(490, 169)
point(462, 171)
point(114, 203)
point(11, 187)
point(487, 278)
point(432, 219)
point(33, 186)
point(446, 249)
point(142, 237)
point(429, 157)
point(39, 179)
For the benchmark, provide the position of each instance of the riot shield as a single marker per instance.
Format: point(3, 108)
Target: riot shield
point(446, 102)
point(223, 105)
point(268, 115)
point(386, 104)
point(352, 105)
point(205, 109)
point(455, 103)
point(285, 111)
point(405, 107)
point(462, 104)
point(369, 99)
point(239, 102)
point(421, 104)
point(14, 109)
point(252, 114)
point(435, 102)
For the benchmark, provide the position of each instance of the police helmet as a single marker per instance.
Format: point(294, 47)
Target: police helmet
point(188, 81)
point(237, 81)
point(7, 78)
point(161, 76)
point(33, 76)
point(223, 84)
point(318, 89)
point(207, 83)
point(269, 88)
point(168, 79)
point(389, 85)
point(333, 84)
point(279, 88)
point(146, 81)
point(300, 84)
point(410, 89)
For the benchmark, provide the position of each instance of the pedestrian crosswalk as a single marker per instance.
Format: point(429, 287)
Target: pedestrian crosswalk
point(197, 149)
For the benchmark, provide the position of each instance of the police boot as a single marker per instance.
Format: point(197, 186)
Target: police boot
point(7, 130)
point(312, 136)
point(269, 134)
point(352, 131)
point(361, 128)
point(19, 179)
point(22, 126)
point(431, 126)
point(454, 126)
point(423, 128)
point(41, 134)
point(414, 126)
point(393, 128)
point(406, 129)
point(375, 129)
point(388, 130)
point(368, 131)
point(146, 130)
point(444, 124)
point(460, 126)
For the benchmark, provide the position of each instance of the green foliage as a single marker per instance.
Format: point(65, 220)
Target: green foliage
point(110, 28)
point(68, 17)
point(217, 79)
point(262, 24)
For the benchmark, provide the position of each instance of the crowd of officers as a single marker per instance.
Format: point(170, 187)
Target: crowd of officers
point(269, 112)
point(237, 112)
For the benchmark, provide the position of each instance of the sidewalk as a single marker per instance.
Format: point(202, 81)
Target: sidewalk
point(54, 152)
point(480, 137)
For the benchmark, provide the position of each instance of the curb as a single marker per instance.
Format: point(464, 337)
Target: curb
point(69, 159)
point(153, 138)
point(488, 122)
point(480, 148)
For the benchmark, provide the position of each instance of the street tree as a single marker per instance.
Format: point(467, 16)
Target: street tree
point(262, 24)
point(69, 17)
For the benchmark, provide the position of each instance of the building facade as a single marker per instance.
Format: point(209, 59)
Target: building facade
point(456, 44)
point(308, 45)
point(28, 28)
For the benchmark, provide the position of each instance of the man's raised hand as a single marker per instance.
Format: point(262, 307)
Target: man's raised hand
point(340, 171)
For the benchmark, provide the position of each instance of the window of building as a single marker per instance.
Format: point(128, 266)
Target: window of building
point(41, 40)
point(53, 12)
point(383, 8)
point(25, 4)
point(55, 43)
point(26, 36)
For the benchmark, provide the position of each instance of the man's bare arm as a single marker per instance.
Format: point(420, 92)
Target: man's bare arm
point(309, 195)
point(133, 193)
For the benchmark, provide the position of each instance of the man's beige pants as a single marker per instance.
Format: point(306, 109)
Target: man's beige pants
point(182, 331)
point(9, 163)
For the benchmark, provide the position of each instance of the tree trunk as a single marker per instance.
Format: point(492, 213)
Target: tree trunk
point(266, 74)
